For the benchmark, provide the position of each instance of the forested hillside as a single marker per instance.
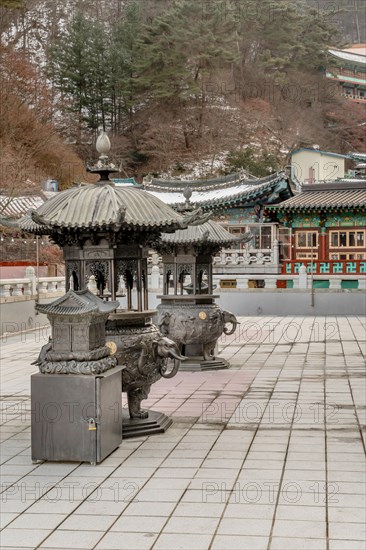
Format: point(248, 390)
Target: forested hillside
point(235, 83)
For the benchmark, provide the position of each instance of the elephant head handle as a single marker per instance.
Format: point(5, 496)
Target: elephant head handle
point(228, 317)
point(144, 355)
point(167, 349)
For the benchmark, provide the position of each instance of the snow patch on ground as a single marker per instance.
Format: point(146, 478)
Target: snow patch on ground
point(200, 169)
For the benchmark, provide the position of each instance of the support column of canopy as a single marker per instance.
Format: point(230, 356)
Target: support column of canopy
point(145, 284)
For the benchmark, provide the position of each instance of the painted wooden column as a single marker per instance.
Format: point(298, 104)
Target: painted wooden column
point(293, 245)
point(323, 244)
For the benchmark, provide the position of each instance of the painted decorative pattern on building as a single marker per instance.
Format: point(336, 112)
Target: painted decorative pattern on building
point(346, 267)
point(346, 219)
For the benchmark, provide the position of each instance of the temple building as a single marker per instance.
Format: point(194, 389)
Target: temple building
point(328, 231)
point(360, 166)
point(311, 165)
point(238, 205)
point(17, 249)
point(350, 72)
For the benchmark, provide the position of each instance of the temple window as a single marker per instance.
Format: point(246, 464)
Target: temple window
point(307, 239)
point(284, 240)
point(263, 235)
point(348, 239)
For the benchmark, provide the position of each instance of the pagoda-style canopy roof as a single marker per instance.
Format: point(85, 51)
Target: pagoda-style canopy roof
point(230, 191)
point(209, 232)
point(345, 194)
point(77, 303)
point(104, 206)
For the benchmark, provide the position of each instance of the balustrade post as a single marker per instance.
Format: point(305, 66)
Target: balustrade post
point(303, 278)
point(42, 287)
point(92, 285)
point(335, 283)
point(362, 283)
point(4, 290)
point(28, 289)
point(121, 287)
point(31, 275)
point(270, 282)
point(61, 286)
point(18, 289)
point(242, 282)
point(155, 276)
point(51, 287)
point(276, 252)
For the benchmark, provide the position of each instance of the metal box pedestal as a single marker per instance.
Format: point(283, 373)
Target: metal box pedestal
point(76, 417)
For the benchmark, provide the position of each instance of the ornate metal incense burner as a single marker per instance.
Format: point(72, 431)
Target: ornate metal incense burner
point(188, 313)
point(105, 232)
point(197, 326)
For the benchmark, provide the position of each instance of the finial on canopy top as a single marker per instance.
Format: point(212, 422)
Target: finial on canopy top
point(103, 144)
point(187, 193)
point(103, 167)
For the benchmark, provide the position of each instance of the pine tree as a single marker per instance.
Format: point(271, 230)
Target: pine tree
point(71, 65)
point(182, 47)
point(284, 35)
point(180, 55)
point(123, 56)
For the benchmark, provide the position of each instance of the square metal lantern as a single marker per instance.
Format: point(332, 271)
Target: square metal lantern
point(76, 397)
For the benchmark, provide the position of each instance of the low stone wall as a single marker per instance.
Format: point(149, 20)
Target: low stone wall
point(293, 302)
point(21, 316)
point(287, 301)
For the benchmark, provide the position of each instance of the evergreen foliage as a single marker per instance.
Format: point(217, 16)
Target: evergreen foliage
point(12, 4)
point(107, 72)
point(182, 47)
point(258, 166)
point(163, 74)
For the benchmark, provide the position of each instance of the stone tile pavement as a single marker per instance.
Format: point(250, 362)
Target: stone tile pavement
point(266, 455)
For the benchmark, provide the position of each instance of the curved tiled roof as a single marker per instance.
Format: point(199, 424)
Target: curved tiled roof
point(357, 156)
point(358, 56)
point(175, 184)
point(209, 232)
point(102, 206)
point(77, 303)
point(327, 196)
point(16, 207)
point(219, 194)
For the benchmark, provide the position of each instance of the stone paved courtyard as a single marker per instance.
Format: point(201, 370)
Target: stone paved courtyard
point(266, 455)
